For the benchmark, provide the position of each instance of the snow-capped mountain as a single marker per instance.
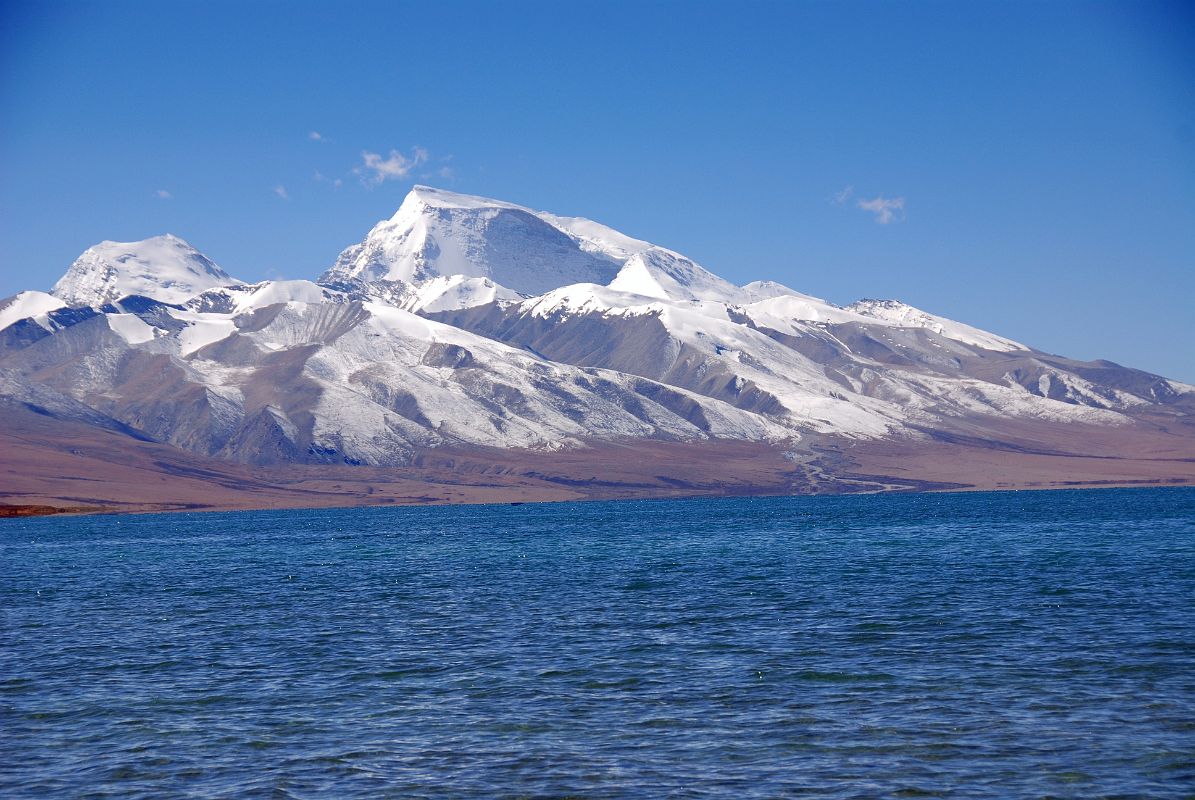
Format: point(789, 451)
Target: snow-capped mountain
point(437, 234)
point(468, 322)
point(164, 267)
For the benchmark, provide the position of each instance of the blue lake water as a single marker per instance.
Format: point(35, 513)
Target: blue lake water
point(1033, 644)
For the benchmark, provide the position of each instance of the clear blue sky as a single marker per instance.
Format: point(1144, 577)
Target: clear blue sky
point(1045, 152)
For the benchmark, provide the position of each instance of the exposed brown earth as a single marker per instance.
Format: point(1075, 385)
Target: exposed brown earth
point(1070, 458)
point(63, 466)
point(52, 466)
point(46, 511)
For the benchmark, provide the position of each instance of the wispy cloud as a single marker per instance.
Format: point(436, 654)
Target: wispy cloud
point(375, 170)
point(886, 209)
point(842, 196)
point(280, 190)
point(316, 136)
point(320, 177)
point(162, 194)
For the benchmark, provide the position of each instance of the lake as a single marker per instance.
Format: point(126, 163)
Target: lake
point(1029, 644)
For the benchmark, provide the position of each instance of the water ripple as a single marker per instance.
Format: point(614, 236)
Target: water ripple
point(986, 645)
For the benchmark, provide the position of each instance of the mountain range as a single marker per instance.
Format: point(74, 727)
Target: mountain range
point(472, 349)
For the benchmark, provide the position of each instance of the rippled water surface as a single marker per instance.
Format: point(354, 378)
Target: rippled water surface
point(984, 645)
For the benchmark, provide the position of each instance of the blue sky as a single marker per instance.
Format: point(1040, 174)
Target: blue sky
point(1025, 167)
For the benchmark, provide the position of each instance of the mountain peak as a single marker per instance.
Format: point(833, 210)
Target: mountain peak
point(438, 234)
point(432, 197)
point(164, 267)
point(666, 275)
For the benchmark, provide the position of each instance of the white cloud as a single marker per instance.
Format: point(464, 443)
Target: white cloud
point(163, 194)
point(375, 169)
point(842, 196)
point(886, 209)
point(316, 136)
point(280, 190)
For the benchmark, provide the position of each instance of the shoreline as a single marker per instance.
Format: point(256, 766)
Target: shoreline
point(31, 511)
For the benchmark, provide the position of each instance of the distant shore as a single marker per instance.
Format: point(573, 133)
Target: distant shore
point(13, 511)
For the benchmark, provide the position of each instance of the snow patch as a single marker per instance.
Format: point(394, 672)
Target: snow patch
point(451, 293)
point(130, 327)
point(903, 315)
point(202, 330)
point(28, 305)
point(273, 292)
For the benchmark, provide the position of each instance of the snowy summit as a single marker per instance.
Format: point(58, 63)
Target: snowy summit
point(163, 267)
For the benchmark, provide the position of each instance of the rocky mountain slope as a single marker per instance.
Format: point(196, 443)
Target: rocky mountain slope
point(463, 322)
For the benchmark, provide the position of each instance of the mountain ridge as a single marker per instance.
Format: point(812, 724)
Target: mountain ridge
point(415, 341)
